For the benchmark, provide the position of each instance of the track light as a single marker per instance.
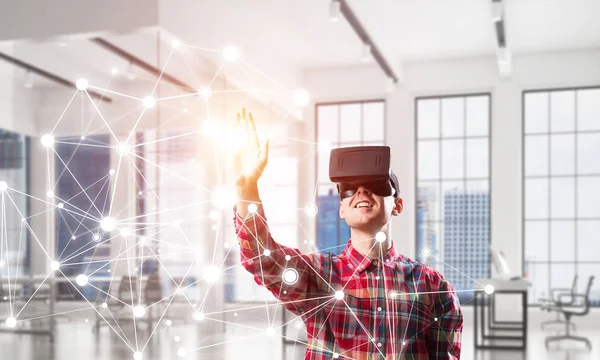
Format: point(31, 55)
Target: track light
point(334, 10)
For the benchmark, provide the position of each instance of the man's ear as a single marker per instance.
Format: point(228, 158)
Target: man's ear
point(398, 206)
point(341, 211)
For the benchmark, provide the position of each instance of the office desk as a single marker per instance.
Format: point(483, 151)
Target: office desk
point(487, 325)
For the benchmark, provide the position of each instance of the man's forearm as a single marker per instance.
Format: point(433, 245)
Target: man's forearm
point(245, 198)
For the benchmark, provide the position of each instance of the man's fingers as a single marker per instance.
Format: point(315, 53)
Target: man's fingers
point(264, 157)
point(254, 135)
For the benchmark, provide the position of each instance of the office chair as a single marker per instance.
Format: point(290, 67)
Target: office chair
point(573, 308)
point(153, 295)
point(549, 304)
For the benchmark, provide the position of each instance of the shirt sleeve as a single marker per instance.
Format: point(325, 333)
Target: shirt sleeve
point(292, 277)
point(445, 335)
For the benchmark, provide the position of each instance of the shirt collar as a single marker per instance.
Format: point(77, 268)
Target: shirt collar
point(361, 262)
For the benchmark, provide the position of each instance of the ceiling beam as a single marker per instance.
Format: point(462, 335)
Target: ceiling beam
point(144, 65)
point(52, 77)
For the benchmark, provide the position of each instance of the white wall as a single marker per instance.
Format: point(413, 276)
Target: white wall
point(548, 70)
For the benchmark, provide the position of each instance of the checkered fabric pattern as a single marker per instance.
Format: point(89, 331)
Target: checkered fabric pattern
point(354, 307)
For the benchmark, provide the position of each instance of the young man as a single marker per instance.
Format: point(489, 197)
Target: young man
point(369, 302)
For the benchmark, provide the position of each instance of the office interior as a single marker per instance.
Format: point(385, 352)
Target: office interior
point(117, 236)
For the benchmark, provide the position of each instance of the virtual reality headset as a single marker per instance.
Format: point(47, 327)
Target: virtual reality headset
point(369, 166)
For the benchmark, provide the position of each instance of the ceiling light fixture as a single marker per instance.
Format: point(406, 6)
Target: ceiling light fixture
point(334, 11)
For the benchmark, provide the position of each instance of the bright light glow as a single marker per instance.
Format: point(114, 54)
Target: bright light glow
point(96, 237)
point(114, 71)
point(336, 355)
point(149, 102)
point(210, 128)
point(50, 193)
point(198, 316)
point(81, 280)
point(211, 274)
point(47, 140)
point(311, 210)
point(288, 258)
point(168, 322)
point(123, 148)
point(226, 245)
point(104, 305)
point(111, 172)
point(267, 252)
point(182, 352)
point(380, 236)
point(3, 186)
point(108, 224)
point(299, 325)
point(125, 231)
point(426, 251)
point(176, 43)
point(11, 322)
point(324, 146)
point(205, 92)
point(138, 355)
point(231, 53)
point(301, 98)
point(222, 198)
point(392, 294)
point(81, 84)
point(334, 11)
point(270, 331)
point(213, 214)
point(54, 265)
point(339, 295)
point(252, 208)
point(139, 311)
point(2, 263)
point(489, 289)
point(290, 276)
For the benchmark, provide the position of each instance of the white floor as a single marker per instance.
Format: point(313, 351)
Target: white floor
point(75, 339)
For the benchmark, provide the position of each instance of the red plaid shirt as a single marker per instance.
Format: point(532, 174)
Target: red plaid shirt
point(392, 306)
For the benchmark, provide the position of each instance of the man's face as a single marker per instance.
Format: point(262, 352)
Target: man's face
point(367, 211)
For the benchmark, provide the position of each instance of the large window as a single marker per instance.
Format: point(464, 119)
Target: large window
point(453, 187)
point(561, 141)
point(14, 238)
point(341, 125)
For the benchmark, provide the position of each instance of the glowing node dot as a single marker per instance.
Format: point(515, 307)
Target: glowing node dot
point(114, 71)
point(213, 215)
point(96, 237)
point(299, 325)
point(380, 236)
point(339, 295)
point(82, 137)
point(138, 355)
point(2, 263)
point(290, 276)
point(222, 198)
point(267, 252)
point(393, 294)
point(111, 172)
point(176, 338)
point(205, 92)
point(270, 331)
point(252, 208)
point(61, 205)
point(235, 314)
point(435, 319)
point(6, 298)
point(211, 274)
point(336, 355)
point(81, 280)
point(123, 148)
point(404, 343)
point(176, 44)
point(210, 128)
point(231, 53)
point(168, 322)
point(47, 140)
point(11, 322)
point(87, 320)
point(301, 98)
point(3, 186)
point(489, 289)
point(81, 84)
point(54, 265)
point(149, 102)
point(104, 305)
point(288, 258)
point(198, 316)
point(226, 245)
point(182, 352)
point(426, 251)
point(139, 311)
point(108, 224)
point(311, 210)
point(125, 231)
